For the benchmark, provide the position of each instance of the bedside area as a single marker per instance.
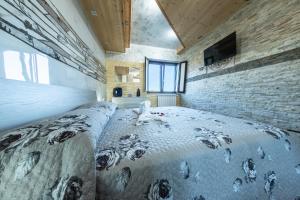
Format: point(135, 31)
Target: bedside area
point(128, 102)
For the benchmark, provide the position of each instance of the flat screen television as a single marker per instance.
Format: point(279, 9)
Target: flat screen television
point(223, 49)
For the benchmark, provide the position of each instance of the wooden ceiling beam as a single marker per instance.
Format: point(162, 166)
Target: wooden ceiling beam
point(111, 22)
point(127, 22)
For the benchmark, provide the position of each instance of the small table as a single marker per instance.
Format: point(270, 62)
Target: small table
point(128, 102)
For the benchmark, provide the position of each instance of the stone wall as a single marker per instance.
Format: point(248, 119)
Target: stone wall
point(268, 93)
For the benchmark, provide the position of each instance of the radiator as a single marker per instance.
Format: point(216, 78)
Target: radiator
point(166, 100)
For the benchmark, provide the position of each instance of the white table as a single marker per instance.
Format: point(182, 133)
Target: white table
point(128, 102)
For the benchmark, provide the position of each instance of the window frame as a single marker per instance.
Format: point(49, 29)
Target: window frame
point(162, 64)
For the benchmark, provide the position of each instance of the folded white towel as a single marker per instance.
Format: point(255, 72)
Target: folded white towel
point(144, 115)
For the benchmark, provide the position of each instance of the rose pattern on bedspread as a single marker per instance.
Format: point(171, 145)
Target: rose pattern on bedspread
point(8, 140)
point(132, 147)
point(274, 132)
point(20, 137)
point(227, 155)
point(270, 179)
point(160, 190)
point(1, 168)
point(249, 169)
point(57, 131)
point(261, 152)
point(184, 169)
point(26, 164)
point(66, 127)
point(200, 197)
point(210, 138)
point(107, 158)
point(297, 168)
point(129, 146)
point(123, 178)
point(68, 188)
point(237, 185)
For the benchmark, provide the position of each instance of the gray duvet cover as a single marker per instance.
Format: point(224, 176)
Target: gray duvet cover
point(195, 155)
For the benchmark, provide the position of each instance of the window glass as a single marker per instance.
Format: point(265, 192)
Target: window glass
point(154, 77)
point(165, 76)
point(169, 78)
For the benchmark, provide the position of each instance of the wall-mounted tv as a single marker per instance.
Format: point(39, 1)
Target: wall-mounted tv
point(223, 49)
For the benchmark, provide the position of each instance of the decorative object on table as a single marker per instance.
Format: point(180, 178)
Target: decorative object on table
point(138, 92)
point(117, 92)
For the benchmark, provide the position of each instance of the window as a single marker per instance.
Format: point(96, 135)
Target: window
point(168, 77)
point(154, 77)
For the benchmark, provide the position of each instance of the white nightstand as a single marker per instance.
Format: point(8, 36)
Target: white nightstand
point(128, 102)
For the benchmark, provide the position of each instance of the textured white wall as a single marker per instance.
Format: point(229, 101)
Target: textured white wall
point(74, 15)
point(34, 85)
point(19, 61)
point(23, 102)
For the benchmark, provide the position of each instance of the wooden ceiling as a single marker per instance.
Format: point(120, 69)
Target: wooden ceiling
point(193, 19)
point(111, 22)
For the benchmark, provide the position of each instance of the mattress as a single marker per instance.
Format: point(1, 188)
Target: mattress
point(197, 155)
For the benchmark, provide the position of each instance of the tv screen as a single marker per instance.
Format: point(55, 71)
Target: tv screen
point(223, 49)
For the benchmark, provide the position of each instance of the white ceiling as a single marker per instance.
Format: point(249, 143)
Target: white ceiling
point(150, 27)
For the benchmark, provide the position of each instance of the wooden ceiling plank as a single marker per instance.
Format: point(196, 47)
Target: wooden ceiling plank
point(108, 24)
point(194, 19)
point(127, 22)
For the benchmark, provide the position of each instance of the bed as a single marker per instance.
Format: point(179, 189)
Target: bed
point(98, 152)
point(53, 159)
point(197, 155)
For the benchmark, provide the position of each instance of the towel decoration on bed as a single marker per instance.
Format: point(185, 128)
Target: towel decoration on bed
point(145, 115)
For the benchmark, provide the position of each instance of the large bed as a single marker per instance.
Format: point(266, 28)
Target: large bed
point(197, 155)
point(98, 152)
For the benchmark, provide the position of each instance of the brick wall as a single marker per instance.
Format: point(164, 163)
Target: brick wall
point(269, 94)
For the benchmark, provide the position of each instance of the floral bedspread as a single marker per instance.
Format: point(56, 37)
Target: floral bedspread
point(195, 155)
point(53, 159)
